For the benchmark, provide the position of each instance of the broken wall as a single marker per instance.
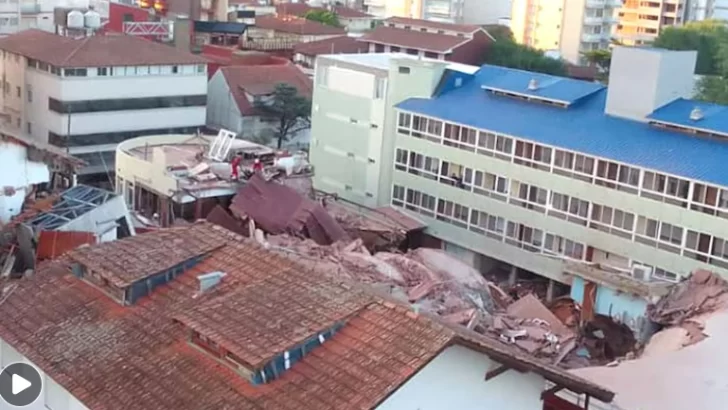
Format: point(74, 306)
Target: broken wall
point(623, 307)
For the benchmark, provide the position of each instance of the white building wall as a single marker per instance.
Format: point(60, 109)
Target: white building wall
point(126, 120)
point(490, 12)
point(222, 111)
point(13, 70)
point(17, 172)
point(53, 396)
point(455, 379)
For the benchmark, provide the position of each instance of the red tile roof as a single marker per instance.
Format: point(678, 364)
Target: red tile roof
point(434, 25)
point(262, 79)
point(336, 45)
point(94, 51)
point(418, 40)
point(113, 357)
point(300, 9)
point(125, 262)
point(296, 25)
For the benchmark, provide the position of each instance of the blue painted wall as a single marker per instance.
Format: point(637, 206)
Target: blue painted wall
point(629, 309)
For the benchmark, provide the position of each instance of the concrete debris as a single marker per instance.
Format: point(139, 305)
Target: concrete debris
point(567, 310)
point(703, 292)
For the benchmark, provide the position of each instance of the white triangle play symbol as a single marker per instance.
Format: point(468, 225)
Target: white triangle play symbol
point(19, 384)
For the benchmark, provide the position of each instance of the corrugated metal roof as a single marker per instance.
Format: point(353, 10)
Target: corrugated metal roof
point(582, 127)
point(547, 86)
point(715, 117)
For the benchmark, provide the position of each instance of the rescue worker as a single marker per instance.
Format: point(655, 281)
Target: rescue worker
point(235, 164)
point(257, 165)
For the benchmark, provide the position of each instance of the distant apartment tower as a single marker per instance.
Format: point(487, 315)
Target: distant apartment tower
point(466, 11)
point(393, 8)
point(640, 21)
point(569, 27)
point(699, 10)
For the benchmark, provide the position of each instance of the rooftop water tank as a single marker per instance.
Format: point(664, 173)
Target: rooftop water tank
point(92, 20)
point(74, 19)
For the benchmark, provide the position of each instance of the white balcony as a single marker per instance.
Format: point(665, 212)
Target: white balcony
point(593, 21)
point(9, 6)
point(594, 37)
point(595, 4)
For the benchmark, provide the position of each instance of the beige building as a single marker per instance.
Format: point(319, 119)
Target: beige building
point(640, 21)
point(568, 27)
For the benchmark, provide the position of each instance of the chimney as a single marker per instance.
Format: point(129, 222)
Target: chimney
point(642, 80)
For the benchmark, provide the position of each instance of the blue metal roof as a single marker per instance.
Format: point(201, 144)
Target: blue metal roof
point(715, 117)
point(582, 127)
point(550, 87)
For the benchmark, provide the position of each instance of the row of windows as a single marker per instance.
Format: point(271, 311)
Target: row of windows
point(638, 228)
point(76, 107)
point(648, 184)
point(103, 138)
point(492, 226)
point(121, 71)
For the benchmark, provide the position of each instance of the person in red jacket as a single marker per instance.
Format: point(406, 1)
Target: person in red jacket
point(235, 164)
point(257, 165)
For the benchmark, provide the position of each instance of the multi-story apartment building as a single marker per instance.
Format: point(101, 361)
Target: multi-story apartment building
point(445, 11)
point(640, 21)
point(541, 172)
point(568, 27)
point(698, 10)
point(88, 94)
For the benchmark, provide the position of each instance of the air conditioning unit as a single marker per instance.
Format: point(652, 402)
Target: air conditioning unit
point(641, 272)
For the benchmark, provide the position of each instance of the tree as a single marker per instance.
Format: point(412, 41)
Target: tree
point(326, 17)
point(507, 53)
point(291, 110)
point(705, 37)
point(601, 59)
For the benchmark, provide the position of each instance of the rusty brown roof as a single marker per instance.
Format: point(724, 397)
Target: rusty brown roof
point(418, 40)
point(115, 357)
point(296, 25)
point(335, 45)
point(277, 209)
point(434, 25)
point(125, 262)
point(261, 80)
point(94, 51)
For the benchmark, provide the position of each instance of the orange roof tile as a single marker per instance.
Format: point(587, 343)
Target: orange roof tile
point(418, 40)
point(335, 45)
point(112, 357)
point(262, 79)
point(435, 25)
point(94, 51)
point(296, 25)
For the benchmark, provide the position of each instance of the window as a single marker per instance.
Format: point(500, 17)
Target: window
point(400, 159)
point(453, 213)
point(434, 127)
point(75, 72)
point(614, 221)
point(397, 195)
point(671, 233)
point(18, 92)
point(494, 145)
point(381, 88)
point(29, 92)
point(404, 70)
point(404, 122)
point(662, 235)
point(420, 202)
point(201, 68)
point(489, 185)
point(529, 196)
point(111, 137)
point(557, 245)
point(28, 128)
point(83, 106)
point(102, 71)
point(175, 69)
point(569, 208)
point(423, 165)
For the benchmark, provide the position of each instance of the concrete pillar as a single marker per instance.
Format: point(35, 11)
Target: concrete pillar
point(550, 291)
point(513, 276)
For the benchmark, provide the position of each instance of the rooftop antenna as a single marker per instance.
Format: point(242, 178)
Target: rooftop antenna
point(533, 84)
point(696, 114)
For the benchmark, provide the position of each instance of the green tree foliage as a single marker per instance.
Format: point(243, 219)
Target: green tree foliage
point(291, 110)
point(710, 39)
point(504, 51)
point(706, 37)
point(326, 17)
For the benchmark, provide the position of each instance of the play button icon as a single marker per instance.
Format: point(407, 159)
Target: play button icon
point(20, 384)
